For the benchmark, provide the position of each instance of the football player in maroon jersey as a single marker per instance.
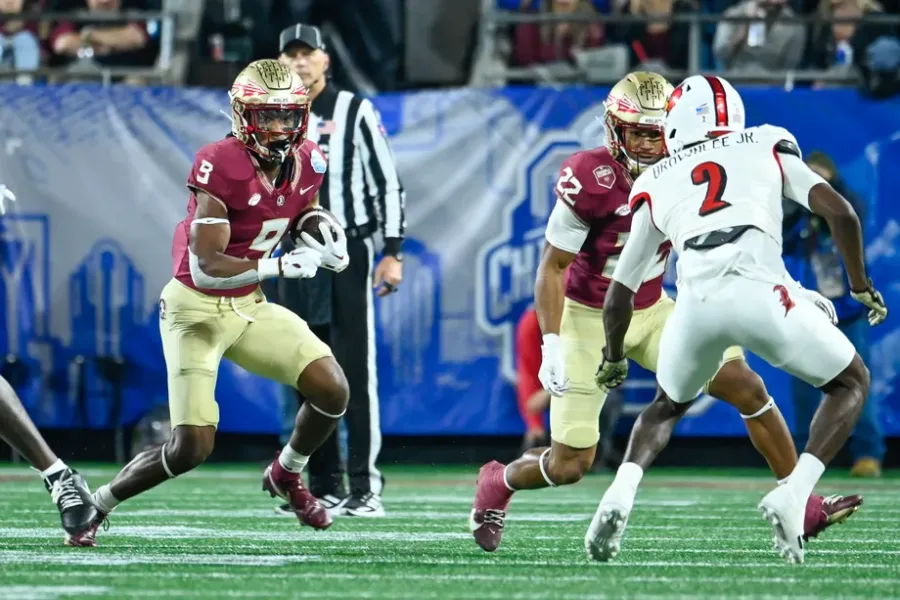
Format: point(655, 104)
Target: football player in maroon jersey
point(585, 235)
point(246, 192)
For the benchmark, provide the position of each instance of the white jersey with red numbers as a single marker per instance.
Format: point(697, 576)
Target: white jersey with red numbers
point(729, 181)
point(719, 202)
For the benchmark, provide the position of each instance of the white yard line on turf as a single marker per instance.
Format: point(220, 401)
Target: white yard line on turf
point(186, 559)
point(49, 592)
point(518, 577)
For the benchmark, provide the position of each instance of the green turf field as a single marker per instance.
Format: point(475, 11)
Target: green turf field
point(213, 534)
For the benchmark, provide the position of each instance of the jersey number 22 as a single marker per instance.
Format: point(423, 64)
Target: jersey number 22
point(714, 177)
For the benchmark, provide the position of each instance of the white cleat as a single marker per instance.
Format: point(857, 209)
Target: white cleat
point(603, 539)
point(785, 514)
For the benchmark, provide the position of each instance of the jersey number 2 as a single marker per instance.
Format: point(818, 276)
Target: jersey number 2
point(713, 175)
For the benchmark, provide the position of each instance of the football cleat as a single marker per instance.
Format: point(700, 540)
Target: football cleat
point(73, 499)
point(281, 483)
point(488, 515)
point(822, 513)
point(785, 513)
point(603, 539)
point(332, 503)
point(364, 505)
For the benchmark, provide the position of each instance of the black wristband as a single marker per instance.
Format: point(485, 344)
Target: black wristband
point(392, 246)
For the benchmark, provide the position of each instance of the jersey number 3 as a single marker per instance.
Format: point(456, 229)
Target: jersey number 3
point(712, 175)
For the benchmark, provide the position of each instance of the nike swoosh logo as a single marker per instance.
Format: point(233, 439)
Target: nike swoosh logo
point(306, 189)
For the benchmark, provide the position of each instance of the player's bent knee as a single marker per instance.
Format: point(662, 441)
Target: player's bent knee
point(325, 384)
point(566, 466)
point(188, 448)
point(856, 375)
point(741, 387)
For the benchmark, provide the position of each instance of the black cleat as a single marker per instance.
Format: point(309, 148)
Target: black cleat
point(73, 499)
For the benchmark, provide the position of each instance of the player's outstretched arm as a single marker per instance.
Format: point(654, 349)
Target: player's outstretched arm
point(806, 187)
point(638, 255)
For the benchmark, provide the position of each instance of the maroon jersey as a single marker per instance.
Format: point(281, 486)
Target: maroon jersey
point(259, 214)
point(596, 187)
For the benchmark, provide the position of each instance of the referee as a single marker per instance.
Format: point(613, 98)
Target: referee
point(363, 190)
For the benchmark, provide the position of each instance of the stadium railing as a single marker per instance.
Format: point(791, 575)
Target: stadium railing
point(163, 72)
point(491, 69)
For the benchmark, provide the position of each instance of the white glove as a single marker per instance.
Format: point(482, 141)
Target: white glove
point(872, 298)
point(611, 374)
point(553, 368)
point(824, 304)
point(5, 194)
point(333, 251)
point(302, 263)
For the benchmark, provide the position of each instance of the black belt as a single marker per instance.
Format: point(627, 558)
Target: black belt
point(361, 232)
point(720, 237)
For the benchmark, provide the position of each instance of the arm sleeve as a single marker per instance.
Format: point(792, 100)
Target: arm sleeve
point(565, 230)
point(378, 162)
point(798, 178)
point(640, 249)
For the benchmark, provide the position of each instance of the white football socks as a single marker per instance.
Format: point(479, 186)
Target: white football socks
point(104, 500)
point(806, 475)
point(292, 460)
point(624, 486)
point(55, 468)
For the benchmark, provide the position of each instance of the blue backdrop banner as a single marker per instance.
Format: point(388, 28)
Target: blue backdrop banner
point(99, 173)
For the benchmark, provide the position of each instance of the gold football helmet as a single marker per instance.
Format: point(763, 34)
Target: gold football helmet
point(269, 109)
point(635, 111)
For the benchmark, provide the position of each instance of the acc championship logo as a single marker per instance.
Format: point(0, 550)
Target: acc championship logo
point(318, 161)
point(507, 265)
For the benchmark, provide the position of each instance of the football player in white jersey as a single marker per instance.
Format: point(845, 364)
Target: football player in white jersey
point(718, 197)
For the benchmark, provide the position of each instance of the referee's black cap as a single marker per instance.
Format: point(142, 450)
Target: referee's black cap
point(306, 35)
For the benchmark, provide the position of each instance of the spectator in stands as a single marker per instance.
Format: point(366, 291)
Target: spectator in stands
point(843, 46)
point(768, 44)
point(20, 46)
point(660, 41)
point(808, 238)
point(106, 43)
point(534, 400)
point(537, 43)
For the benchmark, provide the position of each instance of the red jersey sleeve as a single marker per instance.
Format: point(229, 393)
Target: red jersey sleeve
point(528, 363)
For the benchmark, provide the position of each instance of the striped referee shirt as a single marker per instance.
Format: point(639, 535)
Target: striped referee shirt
point(361, 186)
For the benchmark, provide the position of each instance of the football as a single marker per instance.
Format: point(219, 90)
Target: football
point(309, 221)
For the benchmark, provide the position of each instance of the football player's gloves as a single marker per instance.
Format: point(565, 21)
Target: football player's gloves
point(872, 298)
point(5, 194)
point(611, 374)
point(333, 251)
point(553, 368)
point(301, 263)
point(823, 303)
